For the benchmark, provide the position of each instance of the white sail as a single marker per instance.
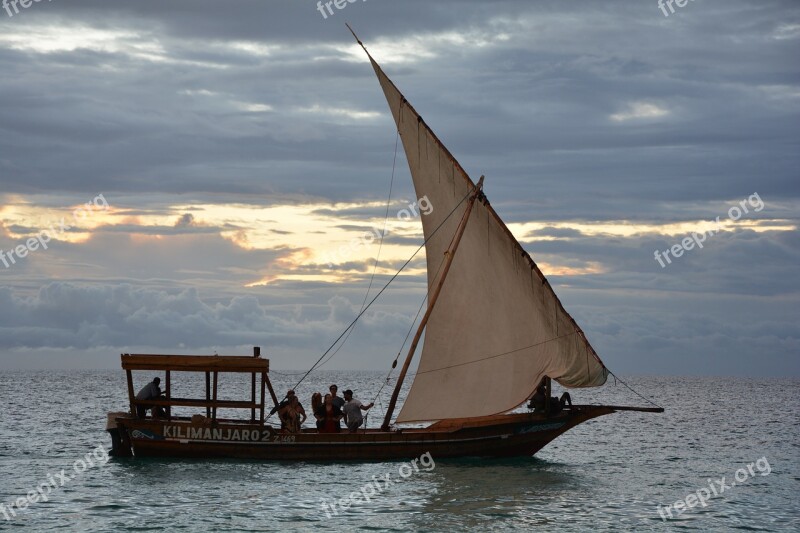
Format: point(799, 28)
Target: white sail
point(497, 326)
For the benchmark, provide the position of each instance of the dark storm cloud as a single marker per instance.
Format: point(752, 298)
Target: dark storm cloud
point(531, 112)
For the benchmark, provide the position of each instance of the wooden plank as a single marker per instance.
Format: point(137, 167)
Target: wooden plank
point(640, 409)
point(191, 402)
point(263, 386)
point(271, 390)
point(253, 396)
point(214, 397)
point(208, 394)
point(131, 395)
point(194, 363)
point(167, 391)
point(547, 392)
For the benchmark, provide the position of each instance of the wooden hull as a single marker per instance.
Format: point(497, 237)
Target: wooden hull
point(510, 435)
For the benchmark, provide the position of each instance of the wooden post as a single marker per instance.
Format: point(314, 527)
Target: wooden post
point(131, 395)
point(208, 394)
point(214, 408)
point(271, 391)
point(168, 394)
point(451, 253)
point(263, 396)
point(256, 353)
point(547, 388)
point(253, 397)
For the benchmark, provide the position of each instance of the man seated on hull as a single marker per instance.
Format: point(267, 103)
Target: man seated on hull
point(539, 400)
point(151, 391)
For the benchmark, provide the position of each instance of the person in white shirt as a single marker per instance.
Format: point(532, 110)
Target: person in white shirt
point(352, 411)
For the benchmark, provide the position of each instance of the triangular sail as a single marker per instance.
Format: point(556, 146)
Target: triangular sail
point(497, 327)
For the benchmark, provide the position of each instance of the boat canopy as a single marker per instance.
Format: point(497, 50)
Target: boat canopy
point(195, 363)
point(212, 366)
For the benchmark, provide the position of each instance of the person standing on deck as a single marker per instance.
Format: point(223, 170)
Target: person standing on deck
point(330, 415)
point(337, 401)
point(352, 411)
point(292, 415)
point(290, 397)
point(316, 408)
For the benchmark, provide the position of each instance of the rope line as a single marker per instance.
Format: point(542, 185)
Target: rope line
point(617, 378)
point(380, 247)
point(497, 355)
point(394, 277)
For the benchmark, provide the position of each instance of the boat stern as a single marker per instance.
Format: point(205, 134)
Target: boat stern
point(120, 443)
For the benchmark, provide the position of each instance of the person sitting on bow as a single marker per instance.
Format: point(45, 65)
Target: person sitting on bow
point(539, 399)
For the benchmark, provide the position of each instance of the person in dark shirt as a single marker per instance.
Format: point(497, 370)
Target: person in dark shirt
point(539, 399)
point(337, 401)
point(151, 391)
point(329, 416)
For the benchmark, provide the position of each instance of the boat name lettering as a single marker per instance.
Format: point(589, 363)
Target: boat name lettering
point(540, 427)
point(200, 433)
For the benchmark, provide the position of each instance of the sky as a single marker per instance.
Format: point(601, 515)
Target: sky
point(187, 176)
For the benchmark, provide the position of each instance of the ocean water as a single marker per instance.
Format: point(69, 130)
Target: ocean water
point(609, 474)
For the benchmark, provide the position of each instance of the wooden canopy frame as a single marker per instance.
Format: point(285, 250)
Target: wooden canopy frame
point(212, 366)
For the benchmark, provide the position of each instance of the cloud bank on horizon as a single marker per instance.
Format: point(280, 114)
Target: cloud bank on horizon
point(242, 148)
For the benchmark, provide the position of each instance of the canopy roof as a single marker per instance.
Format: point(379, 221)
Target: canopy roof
point(194, 363)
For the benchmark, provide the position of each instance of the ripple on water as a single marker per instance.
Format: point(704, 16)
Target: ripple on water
point(610, 474)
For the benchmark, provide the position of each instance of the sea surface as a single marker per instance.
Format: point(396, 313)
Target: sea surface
point(609, 474)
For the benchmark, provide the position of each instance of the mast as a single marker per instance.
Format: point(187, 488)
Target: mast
point(450, 254)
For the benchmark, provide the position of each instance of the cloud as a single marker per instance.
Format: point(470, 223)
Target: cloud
point(240, 148)
point(640, 110)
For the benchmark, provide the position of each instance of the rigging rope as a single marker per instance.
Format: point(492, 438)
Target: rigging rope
point(408, 333)
point(380, 247)
point(411, 327)
point(616, 377)
point(408, 261)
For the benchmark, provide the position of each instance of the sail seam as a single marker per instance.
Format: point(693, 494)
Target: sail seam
point(495, 356)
